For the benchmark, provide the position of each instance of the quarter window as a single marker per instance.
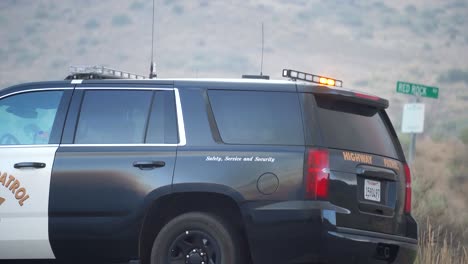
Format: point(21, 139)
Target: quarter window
point(265, 118)
point(28, 118)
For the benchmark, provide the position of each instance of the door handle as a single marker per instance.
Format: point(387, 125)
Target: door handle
point(148, 165)
point(35, 165)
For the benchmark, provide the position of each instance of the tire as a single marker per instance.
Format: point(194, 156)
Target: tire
point(196, 237)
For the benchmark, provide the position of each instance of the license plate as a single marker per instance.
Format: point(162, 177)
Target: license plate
point(372, 190)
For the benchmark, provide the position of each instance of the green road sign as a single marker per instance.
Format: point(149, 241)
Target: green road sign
point(417, 89)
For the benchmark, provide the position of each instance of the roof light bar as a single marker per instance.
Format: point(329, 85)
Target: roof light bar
point(101, 72)
point(297, 75)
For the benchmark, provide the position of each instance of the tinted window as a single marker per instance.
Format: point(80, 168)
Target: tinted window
point(354, 126)
point(28, 118)
point(113, 117)
point(245, 117)
point(162, 127)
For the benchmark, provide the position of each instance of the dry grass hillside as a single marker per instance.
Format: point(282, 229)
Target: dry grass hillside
point(440, 200)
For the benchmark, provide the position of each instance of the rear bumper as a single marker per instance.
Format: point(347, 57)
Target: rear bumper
point(300, 232)
point(355, 246)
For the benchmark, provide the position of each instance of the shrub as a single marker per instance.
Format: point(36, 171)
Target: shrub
point(464, 136)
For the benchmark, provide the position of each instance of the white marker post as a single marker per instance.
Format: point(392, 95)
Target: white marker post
point(413, 113)
point(413, 122)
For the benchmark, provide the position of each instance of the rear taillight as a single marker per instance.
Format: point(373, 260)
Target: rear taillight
point(317, 172)
point(407, 189)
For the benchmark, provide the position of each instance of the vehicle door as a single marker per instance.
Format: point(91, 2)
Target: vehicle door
point(31, 123)
point(119, 146)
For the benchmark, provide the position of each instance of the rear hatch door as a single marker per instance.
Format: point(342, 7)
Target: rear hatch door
point(366, 172)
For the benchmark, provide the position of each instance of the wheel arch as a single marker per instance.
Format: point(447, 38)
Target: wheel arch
point(161, 207)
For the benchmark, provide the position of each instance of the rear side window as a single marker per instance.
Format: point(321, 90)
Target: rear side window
point(113, 117)
point(254, 117)
point(127, 117)
point(353, 126)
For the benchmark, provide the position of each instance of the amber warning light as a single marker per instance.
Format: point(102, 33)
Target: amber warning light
point(297, 75)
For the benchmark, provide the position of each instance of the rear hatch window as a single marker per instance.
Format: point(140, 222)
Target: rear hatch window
point(353, 126)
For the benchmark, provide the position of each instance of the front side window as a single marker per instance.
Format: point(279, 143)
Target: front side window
point(113, 117)
point(28, 118)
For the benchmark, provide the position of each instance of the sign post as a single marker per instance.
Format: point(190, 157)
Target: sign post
point(413, 113)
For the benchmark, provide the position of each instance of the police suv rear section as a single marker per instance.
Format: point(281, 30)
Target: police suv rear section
point(203, 171)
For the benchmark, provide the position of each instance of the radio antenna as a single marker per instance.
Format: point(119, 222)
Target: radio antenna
point(153, 64)
point(263, 44)
point(261, 76)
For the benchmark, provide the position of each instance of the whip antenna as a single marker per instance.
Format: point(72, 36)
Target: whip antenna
point(261, 76)
point(261, 64)
point(153, 64)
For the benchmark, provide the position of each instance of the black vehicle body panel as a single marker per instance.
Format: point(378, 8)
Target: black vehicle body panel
point(241, 175)
point(306, 232)
point(294, 231)
point(98, 199)
point(346, 187)
point(35, 85)
point(347, 177)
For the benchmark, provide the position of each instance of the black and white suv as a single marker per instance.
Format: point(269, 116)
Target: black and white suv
point(202, 171)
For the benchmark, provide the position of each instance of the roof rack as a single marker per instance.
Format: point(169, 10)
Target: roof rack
point(99, 72)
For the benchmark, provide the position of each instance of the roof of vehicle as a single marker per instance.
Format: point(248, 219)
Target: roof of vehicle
point(218, 83)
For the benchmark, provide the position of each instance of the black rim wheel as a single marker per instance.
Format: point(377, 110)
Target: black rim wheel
point(194, 247)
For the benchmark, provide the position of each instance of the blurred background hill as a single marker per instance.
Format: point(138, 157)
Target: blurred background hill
point(368, 44)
